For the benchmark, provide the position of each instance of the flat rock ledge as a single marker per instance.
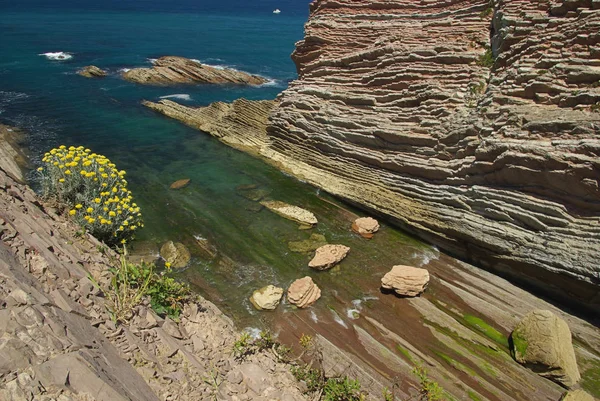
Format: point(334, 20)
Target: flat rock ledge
point(290, 212)
point(407, 281)
point(303, 292)
point(576, 395)
point(266, 298)
point(542, 341)
point(328, 256)
point(175, 253)
point(180, 70)
point(91, 71)
point(365, 226)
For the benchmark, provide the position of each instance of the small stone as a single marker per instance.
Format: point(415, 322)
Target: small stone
point(19, 297)
point(406, 280)
point(267, 297)
point(303, 292)
point(198, 344)
point(175, 253)
point(180, 183)
point(235, 377)
point(328, 256)
point(365, 226)
point(542, 340)
point(170, 327)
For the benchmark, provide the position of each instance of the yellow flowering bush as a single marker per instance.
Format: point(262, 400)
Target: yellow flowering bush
point(94, 190)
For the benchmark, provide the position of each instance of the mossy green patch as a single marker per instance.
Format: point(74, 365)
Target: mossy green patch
point(473, 395)
point(519, 345)
point(590, 378)
point(404, 352)
point(456, 364)
point(481, 326)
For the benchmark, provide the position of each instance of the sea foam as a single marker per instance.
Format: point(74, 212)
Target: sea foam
point(180, 96)
point(57, 56)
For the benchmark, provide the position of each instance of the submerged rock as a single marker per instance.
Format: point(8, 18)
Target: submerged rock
point(542, 341)
point(267, 297)
point(303, 292)
point(254, 194)
point(328, 256)
point(308, 245)
point(175, 253)
point(290, 212)
point(180, 183)
point(180, 70)
point(143, 251)
point(406, 280)
point(365, 226)
point(91, 71)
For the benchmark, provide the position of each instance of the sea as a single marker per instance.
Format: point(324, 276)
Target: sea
point(237, 246)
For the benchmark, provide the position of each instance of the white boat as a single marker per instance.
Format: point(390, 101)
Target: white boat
point(276, 11)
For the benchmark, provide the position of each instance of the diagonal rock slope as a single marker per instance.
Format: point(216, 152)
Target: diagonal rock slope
point(395, 109)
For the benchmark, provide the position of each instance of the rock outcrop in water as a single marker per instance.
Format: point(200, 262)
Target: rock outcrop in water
point(406, 281)
point(179, 70)
point(91, 71)
point(493, 155)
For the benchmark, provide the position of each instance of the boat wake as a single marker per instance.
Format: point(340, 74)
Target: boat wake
point(57, 56)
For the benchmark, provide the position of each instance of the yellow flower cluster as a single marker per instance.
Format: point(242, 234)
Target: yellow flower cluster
point(94, 189)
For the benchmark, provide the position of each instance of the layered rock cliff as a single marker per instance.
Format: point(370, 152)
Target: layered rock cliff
point(474, 125)
point(397, 109)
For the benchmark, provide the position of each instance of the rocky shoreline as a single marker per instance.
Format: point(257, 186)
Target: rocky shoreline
point(58, 342)
point(489, 153)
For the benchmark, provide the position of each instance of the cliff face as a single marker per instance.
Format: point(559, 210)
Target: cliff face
point(397, 108)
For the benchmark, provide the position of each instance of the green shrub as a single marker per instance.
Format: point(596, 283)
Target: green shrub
point(94, 190)
point(246, 345)
point(342, 389)
point(487, 58)
point(430, 390)
point(312, 377)
point(131, 283)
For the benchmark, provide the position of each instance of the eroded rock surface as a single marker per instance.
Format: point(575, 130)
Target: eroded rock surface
point(91, 71)
point(328, 256)
point(179, 70)
point(406, 280)
point(303, 292)
point(543, 342)
point(267, 297)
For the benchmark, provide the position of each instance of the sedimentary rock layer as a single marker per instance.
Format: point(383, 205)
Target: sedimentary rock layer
point(396, 110)
point(490, 152)
point(179, 70)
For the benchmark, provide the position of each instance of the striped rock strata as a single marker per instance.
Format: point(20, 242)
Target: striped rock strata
point(393, 109)
point(396, 109)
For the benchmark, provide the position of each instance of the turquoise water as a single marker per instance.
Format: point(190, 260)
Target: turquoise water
point(248, 247)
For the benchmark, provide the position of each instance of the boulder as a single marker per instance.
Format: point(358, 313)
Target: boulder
point(365, 226)
point(180, 70)
point(175, 253)
point(576, 395)
point(328, 256)
point(308, 245)
point(406, 280)
point(180, 183)
point(91, 71)
point(290, 212)
point(267, 297)
point(542, 341)
point(303, 292)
